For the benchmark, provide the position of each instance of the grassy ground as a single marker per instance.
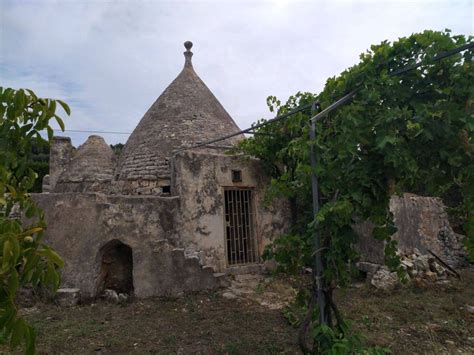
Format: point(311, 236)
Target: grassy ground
point(421, 320)
point(194, 324)
point(427, 319)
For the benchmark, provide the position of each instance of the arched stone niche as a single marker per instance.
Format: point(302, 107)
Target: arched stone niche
point(116, 268)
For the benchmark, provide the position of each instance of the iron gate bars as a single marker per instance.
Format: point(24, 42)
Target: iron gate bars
point(317, 264)
point(239, 226)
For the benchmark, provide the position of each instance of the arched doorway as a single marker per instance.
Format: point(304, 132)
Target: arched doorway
point(116, 268)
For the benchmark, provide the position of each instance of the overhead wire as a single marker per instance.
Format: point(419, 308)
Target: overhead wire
point(318, 116)
point(335, 104)
point(86, 131)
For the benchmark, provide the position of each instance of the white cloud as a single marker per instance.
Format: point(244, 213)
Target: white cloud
point(111, 59)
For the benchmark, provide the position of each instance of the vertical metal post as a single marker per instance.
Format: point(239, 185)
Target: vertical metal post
point(317, 260)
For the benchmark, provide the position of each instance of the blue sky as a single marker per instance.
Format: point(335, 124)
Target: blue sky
point(111, 59)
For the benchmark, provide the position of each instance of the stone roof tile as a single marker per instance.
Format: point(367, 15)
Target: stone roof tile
point(93, 160)
point(186, 113)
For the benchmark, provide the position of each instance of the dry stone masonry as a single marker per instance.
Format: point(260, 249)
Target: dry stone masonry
point(161, 220)
point(185, 114)
point(151, 221)
point(423, 233)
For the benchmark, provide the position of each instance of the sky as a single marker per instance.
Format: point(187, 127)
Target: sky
point(110, 60)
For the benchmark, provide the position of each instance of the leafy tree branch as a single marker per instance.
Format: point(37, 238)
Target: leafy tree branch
point(24, 259)
point(407, 133)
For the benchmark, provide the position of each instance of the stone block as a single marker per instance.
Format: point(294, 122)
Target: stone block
point(421, 263)
point(430, 276)
point(123, 297)
point(385, 280)
point(229, 295)
point(369, 268)
point(222, 279)
point(111, 296)
point(370, 249)
point(270, 265)
point(407, 263)
point(437, 268)
point(422, 224)
point(68, 297)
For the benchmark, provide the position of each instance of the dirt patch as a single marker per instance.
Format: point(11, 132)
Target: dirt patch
point(425, 319)
point(272, 293)
point(420, 319)
point(194, 324)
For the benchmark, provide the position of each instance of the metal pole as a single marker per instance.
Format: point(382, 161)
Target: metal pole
point(334, 105)
point(318, 268)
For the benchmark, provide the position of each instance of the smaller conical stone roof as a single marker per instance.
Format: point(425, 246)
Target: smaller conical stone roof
point(93, 161)
point(185, 114)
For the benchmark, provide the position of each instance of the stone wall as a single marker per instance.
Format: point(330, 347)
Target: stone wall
point(199, 179)
point(80, 225)
point(175, 228)
point(92, 168)
point(89, 169)
point(141, 186)
point(60, 154)
point(422, 224)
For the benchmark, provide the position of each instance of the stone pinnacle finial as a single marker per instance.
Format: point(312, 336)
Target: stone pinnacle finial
point(188, 54)
point(188, 45)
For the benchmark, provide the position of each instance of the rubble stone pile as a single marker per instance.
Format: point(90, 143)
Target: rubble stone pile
point(420, 268)
point(425, 267)
point(422, 224)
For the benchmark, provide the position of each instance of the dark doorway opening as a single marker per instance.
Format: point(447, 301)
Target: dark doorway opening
point(117, 268)
point(239, 226)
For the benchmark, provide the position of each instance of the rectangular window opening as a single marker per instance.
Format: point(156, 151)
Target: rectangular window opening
point(236, 176)
point(166, 189)
point(241, 248)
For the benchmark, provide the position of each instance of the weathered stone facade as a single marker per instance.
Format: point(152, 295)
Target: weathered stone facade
point(151, 221)
point(81, 224)
point(89, 169)
point(200, 178)
point(423, 226)
point(185, 114)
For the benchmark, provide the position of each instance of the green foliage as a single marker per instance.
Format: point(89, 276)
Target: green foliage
point(24, 258)
point(328, 340)
point(296, 310)
point(342, 341)
point(408, 133)
point(117, 148)
point(39, 162)
point(291, 251)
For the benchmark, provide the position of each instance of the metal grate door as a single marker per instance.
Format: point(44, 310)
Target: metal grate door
point(239, 226)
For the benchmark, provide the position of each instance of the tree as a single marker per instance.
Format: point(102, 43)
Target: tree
point(39, 162)
point(117, 148)
point(408, 133)
point(24, 258)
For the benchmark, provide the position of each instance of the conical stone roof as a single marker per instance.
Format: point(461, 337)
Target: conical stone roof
point(186, 113)
point(93, 162)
